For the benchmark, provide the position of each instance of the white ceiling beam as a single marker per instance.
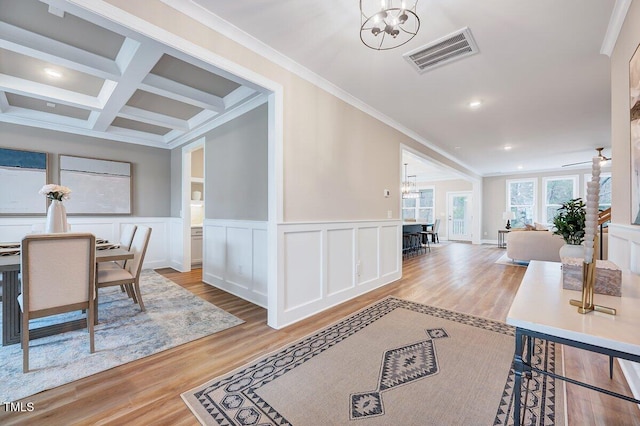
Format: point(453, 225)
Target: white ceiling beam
point(47, 117)
point(183, 93)
point(135, 60)
point(36, 46)
point(172, 135)
point(9, 118)
point(154, 118)
point(241, 94)
point(32, 89)
point(219, 120)
point(130, 134)
point(4, 103)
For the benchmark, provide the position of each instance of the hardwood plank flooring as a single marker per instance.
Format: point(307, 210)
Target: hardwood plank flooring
point(460, 277)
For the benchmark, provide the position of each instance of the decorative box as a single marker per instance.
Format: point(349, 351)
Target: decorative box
point(608, 276)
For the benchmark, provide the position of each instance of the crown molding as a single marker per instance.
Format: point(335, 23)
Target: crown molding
point(616, 20)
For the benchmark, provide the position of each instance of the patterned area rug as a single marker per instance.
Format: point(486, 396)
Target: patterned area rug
point(173, 316)
point(393, 363)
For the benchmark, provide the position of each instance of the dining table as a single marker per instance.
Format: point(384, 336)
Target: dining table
point(10, 270)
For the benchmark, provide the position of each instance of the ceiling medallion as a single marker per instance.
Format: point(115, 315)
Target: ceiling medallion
point(386, 24)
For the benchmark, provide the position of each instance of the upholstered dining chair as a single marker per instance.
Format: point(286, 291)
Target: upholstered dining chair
point(58, 276)
point(129, 276)
point(433, 233)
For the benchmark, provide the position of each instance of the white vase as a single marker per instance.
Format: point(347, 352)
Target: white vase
point(56, 218)
point(572, 250)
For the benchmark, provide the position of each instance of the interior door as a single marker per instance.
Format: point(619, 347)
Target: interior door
point(459, 216)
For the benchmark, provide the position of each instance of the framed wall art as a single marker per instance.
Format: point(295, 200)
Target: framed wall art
point(634, 106)
point(22, 174)
point(99, 187)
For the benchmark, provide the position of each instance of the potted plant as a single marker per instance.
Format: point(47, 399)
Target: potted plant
point(569, 223)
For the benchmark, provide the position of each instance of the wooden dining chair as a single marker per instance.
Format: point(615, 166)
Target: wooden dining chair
point(129, 276)
point(58, 276)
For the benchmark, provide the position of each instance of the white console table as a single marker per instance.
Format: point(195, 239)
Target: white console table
point(541, 310)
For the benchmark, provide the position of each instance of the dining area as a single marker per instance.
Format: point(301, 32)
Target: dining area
point(47, 274)
point(418, 237)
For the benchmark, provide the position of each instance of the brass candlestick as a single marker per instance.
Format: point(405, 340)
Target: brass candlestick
point(586, 305)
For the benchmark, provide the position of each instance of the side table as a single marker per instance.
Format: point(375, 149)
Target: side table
point(502, 242)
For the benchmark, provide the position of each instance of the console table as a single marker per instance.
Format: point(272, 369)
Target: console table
point(541, 310)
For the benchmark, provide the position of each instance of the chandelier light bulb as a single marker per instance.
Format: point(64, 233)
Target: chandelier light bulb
point(394, 18)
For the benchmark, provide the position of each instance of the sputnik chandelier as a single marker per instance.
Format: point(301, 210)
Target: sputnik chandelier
point(386, 24)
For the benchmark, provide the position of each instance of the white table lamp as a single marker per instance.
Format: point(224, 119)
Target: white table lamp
point(508, 216)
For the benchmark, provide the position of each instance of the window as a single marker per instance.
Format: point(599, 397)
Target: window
point(420, 208)
point(605, 189)
point(521, 199)
point(557, 191)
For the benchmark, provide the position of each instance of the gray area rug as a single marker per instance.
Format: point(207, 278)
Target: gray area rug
point(393, 363)
point(173, 316)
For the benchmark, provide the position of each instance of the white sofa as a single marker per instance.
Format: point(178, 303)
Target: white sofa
point(534, 245)
point(543, 245)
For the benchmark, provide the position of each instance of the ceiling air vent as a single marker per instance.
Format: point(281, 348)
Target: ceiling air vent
point(450, 48)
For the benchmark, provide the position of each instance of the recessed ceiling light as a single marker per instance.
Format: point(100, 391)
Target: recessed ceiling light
point(475, 104)
point(507, 147)
point(51, 105)
point(520, 167)
point(52, 73)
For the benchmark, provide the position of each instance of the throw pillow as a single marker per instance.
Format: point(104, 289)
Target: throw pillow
point(540, 227)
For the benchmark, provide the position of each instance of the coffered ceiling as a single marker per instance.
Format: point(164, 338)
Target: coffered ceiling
point(86, 75)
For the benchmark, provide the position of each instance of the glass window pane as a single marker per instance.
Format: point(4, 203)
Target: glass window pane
point(408, 213)
point(426, 197)
point(552, 211)
point(408, 202)
point(521, 193)
point(559, 191)
point(425, 215)
point(524, 215)
point(605, 192)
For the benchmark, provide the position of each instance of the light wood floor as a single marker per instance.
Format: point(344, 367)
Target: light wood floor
point(459, 277)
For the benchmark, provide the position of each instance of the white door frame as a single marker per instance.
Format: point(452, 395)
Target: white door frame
point(469, 211)
point(186, 201)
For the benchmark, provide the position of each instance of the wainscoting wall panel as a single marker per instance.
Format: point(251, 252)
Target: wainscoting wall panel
point(303, 276)
point(108, 227)
point(340, 260)
point(321, 265)
point(177, 245)
point(389, 261)
point(624, 251)
point(367, 264)
point(235, 258)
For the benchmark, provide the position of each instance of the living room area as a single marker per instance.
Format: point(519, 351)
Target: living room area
point(328, 322)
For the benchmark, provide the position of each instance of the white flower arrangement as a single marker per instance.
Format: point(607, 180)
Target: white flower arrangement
point(55, 192)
